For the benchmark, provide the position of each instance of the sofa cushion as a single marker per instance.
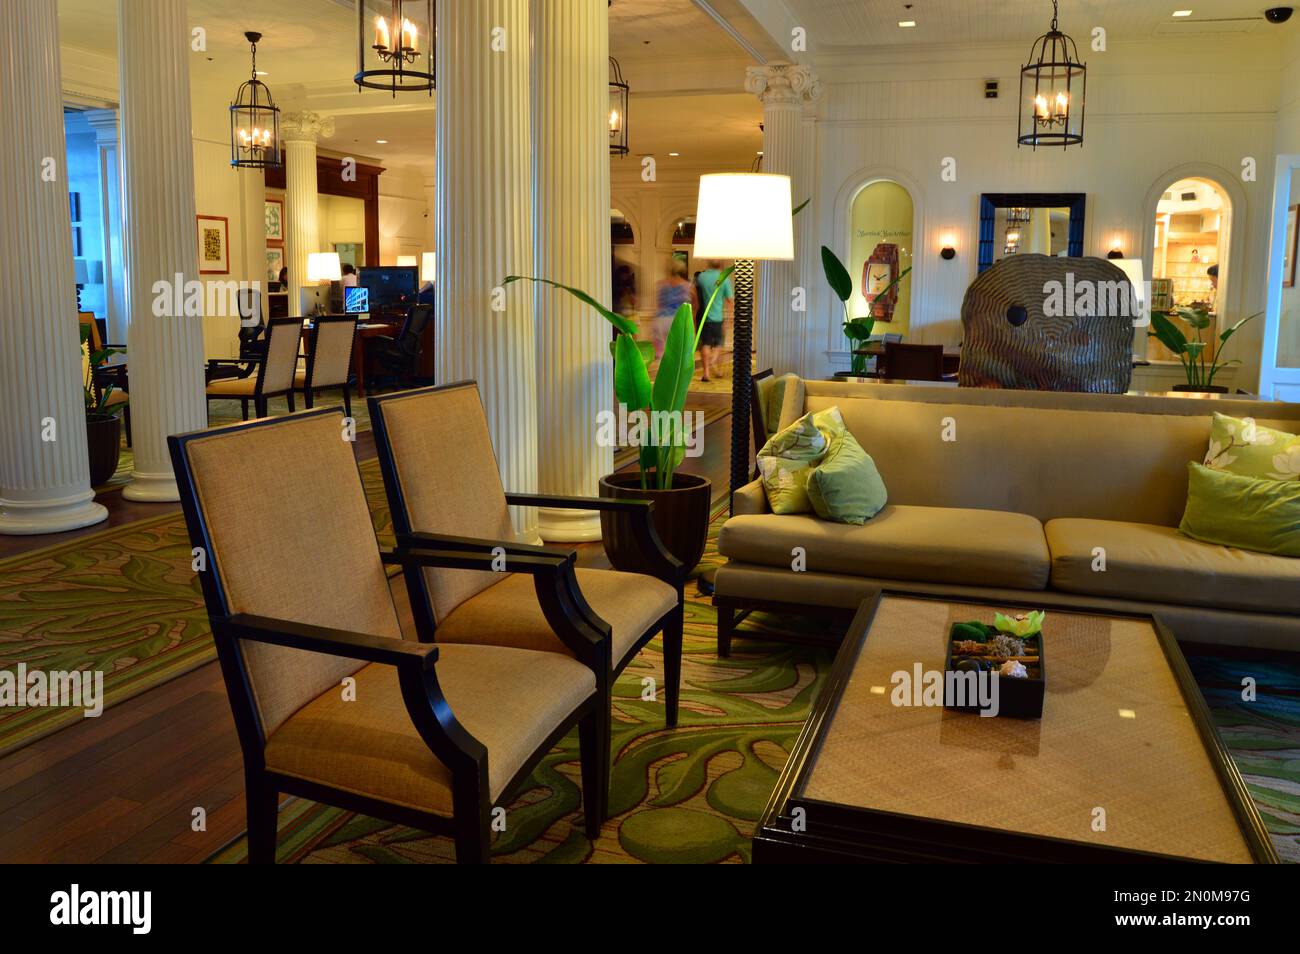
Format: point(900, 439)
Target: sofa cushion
point(1246, 512)
point(1155, 563)
point(981, 547)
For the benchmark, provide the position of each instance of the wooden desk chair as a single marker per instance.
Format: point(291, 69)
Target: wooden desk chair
point(112, 376)
point(330, 702)
point(329, 358)
point(261, 380)
point(444, 491)
point(912, 362)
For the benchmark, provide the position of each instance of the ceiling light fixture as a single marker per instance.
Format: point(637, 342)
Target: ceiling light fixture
point(388, 50)
point(1182, 13)
point(254, 121)
point(382, 142)
point(1052, 87)
point(906, 23)
point(619, 93)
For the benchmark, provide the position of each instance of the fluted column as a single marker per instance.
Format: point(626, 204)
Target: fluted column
point(164, 344)
point(808, 267)
point(44, 474)
point(484, 230)
point(778, 329)
point(300, 132)
point(571, 203)
point(104, 122)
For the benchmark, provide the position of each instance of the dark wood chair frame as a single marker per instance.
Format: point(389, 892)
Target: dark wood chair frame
point(416, 664)
point(258, 365)
point(567, 611)
point(756, 414)
point(308, 391)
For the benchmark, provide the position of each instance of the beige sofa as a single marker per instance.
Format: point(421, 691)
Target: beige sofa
point(1031, 490)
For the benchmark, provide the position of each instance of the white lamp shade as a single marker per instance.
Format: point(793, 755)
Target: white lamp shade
point(405, 261)
point(1132, 267)
point(427, 262)
point(324, 267)
point(744, 215)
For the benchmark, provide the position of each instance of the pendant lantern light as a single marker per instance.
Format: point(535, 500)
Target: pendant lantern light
point(395, 40)
point(254, 121)
point(1052, 86)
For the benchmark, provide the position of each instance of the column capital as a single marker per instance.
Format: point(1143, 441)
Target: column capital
point(104, 123)
point(305, 126)
point(783, 84)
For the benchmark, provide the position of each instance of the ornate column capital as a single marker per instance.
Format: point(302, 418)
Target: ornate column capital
point(783, 84)
point(305, 126)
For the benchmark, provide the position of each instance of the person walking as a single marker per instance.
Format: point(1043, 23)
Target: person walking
point(711, 333)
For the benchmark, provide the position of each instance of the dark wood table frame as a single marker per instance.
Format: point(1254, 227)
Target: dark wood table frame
point(837, 833)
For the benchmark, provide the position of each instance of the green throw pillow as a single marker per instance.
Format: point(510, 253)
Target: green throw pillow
point(784, 463)
point(1240, 446)
point(1250, 513)
point(845, 486)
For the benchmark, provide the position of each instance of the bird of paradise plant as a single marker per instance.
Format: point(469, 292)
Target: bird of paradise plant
point(663, 400)
point(96, 405)
point(855, 329)
point(1199, 366)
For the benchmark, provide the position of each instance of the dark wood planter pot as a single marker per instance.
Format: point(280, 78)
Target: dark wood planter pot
point(1201, 388)
point(681, 518)
point(103, 446)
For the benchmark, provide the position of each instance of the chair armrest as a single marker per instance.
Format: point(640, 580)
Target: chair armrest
point(332, 642)
point(750, 499)
point(252, 359)
point(468, 553)
point(557, 502)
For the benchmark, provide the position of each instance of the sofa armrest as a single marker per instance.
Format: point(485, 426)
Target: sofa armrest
point(750, 499)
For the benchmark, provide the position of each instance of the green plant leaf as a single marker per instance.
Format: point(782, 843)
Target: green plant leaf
point(1228, 333)
point(631, 377)
point(677, 366)
point(1195, 317)
point(837, 275)
point(625, 325)
point(799, 208)
point(1167, 332)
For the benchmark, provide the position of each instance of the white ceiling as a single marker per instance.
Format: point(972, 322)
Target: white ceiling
point(309, 45)
point(834, 25)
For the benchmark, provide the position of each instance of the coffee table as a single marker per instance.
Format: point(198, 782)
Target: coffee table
point(1124, 765)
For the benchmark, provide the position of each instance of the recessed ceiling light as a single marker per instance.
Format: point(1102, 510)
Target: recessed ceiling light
point(382, 142)
point(907, 23)
point(760, 152)
point(1182, 13)
point(674, 154)
point(263, 73)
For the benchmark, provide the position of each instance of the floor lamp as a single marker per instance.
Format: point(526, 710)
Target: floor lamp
point(746, 217)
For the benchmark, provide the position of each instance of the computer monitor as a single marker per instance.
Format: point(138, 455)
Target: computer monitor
point(314, 300)
point(356, 300)
point(391, 288)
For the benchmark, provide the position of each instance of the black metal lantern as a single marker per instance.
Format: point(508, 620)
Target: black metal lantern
point(395, 40)
point(1052, 87)
point(254, 121)
point(618, 96)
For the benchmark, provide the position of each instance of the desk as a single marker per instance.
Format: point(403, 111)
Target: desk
point(951, 355)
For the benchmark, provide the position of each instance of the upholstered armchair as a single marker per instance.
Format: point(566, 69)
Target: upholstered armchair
point(329, 358)
point(444, 490)
point(330, 702)
point(260, 380)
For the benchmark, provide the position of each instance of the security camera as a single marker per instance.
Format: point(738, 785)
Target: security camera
point(1278, 14)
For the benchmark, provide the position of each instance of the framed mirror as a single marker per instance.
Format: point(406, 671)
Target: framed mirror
point(1046, 223)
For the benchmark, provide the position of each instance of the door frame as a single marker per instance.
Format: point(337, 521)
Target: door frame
point(1276, 383)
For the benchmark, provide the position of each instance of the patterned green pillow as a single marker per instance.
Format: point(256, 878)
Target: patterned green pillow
point(845, 486)
point(1240, 446)
point(1249, 513)
point(787, 458)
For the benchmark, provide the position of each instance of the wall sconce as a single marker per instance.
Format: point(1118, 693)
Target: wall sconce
point(1116, 247)
point(949, 250)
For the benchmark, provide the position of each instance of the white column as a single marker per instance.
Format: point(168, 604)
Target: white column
point(104, 122)
point(571, 202)
point(808, 266)
point(160, 244)
point(781, 87)
point(44, 473)
point(300, 131)
point(484, 231)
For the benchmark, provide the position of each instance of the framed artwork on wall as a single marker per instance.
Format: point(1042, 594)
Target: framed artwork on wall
point(214, 244)
point(1288, 263)
point(274, 262)
point(274, 221)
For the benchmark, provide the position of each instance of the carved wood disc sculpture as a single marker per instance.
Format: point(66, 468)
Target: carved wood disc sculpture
point(1037, 322)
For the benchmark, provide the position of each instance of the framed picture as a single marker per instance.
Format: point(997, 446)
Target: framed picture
point(1288, 263)
point(274, 262)
point(274, 221)
point(214, 244)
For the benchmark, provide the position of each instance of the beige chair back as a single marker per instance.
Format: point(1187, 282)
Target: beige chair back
point(441, 455)
point(283, 336)
point(332, 355)
point(300, 546)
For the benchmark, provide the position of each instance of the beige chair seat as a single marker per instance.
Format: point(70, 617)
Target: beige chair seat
point(1159, 564)
point(980, 547)
point(507, 613)
point(234, 387)
point(508, 699)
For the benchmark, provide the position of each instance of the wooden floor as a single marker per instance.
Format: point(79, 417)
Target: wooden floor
point(123, 787)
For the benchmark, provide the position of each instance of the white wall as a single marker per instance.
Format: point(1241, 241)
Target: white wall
point(1153, 113)
point(404, 215)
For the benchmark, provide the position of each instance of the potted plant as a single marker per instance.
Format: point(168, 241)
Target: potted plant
point(681, 511)
point(1199, 366)
point(103, 425)
point(857, 330)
